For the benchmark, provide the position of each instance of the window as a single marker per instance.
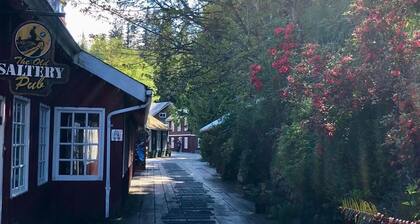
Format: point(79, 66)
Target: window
point(185, 142)
point(162, 115)
point(78, 144)
point(56, 5)
point(20, 146)
point(43, 144)
point(179, 127)
point(172, 143)
point(185, 125)
point(172, 126)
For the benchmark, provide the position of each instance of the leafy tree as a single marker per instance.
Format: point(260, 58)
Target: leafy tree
point(114, 52)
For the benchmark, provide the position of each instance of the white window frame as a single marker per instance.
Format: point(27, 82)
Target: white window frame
point(185, 142)
point(185, 124)
point(26, 136)
point(172, 142)
point(162, 115)
point(57, 116)
point(46, 145)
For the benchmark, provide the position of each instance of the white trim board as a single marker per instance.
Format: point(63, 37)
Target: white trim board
point(23, 189)
point(2, 122)
point(182, 135)
point(47, 143)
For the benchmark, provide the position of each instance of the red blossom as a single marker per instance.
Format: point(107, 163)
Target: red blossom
point(319, 85)
point(330, 128)
point(370, 56)
point(346, 59)
point(272, 51)
point(416, 43)
point(301, 68)
point(396, 73)
point(410, 124)
point(399, 47)
point(288, 31)
point(290, 79)
point(284, 93)
point(287, 46)
point(315, 59)
point(256, 82)
point(256, 68)
point(310, 50)
point(351, 75)
point(258, 85)
point(319, 104)
point(284, 69)
point(282, 61)
point(278, 30)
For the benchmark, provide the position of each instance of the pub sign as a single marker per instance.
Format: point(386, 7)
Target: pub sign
point(31, 69)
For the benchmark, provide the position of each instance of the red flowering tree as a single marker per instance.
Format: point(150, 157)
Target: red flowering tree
point(377, 68)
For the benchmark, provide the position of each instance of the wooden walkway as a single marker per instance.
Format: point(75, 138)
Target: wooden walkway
point(184, 190)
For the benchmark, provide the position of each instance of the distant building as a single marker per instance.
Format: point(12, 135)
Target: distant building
point(180, 136)
point(57, 5)
point(158, 138)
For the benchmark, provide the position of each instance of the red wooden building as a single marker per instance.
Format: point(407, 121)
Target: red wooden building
point(180, 137)
point(68, 121)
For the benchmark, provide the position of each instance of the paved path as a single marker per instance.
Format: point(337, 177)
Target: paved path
point(185, 190)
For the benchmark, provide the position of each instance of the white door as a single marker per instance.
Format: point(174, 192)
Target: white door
point(2, 121)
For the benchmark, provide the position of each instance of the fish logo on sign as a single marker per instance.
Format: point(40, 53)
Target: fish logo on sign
point(31, 69)
point(33, 40)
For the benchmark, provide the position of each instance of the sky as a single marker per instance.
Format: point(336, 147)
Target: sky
point(79, 23)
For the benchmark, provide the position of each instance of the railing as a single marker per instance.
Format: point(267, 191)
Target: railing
point(353, 216)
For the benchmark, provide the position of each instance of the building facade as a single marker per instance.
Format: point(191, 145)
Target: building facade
point(68, 122)
point(180, 137)
point(158, 138)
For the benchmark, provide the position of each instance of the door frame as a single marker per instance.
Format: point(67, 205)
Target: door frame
point(2, 130)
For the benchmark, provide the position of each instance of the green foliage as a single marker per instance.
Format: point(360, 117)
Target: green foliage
point(413, 199)
point(114, 52)
point(358, 211)
point(359, 205)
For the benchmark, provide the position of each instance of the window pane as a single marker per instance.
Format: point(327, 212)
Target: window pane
point(78, 152)
point(65, 135)
point(92, 136)
point(64, 168)
point(78, 168)
point(65, 151)
point(22, 134)
point(16, 179)
point(16, 156)
point(92, 168)
point(93, 120)
point(41, 153)
point(92, 152)
point(18, 112)
point(80, 120)
point(21, 176)
point(79, 136)
point(66, 119)
point(18, 135)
